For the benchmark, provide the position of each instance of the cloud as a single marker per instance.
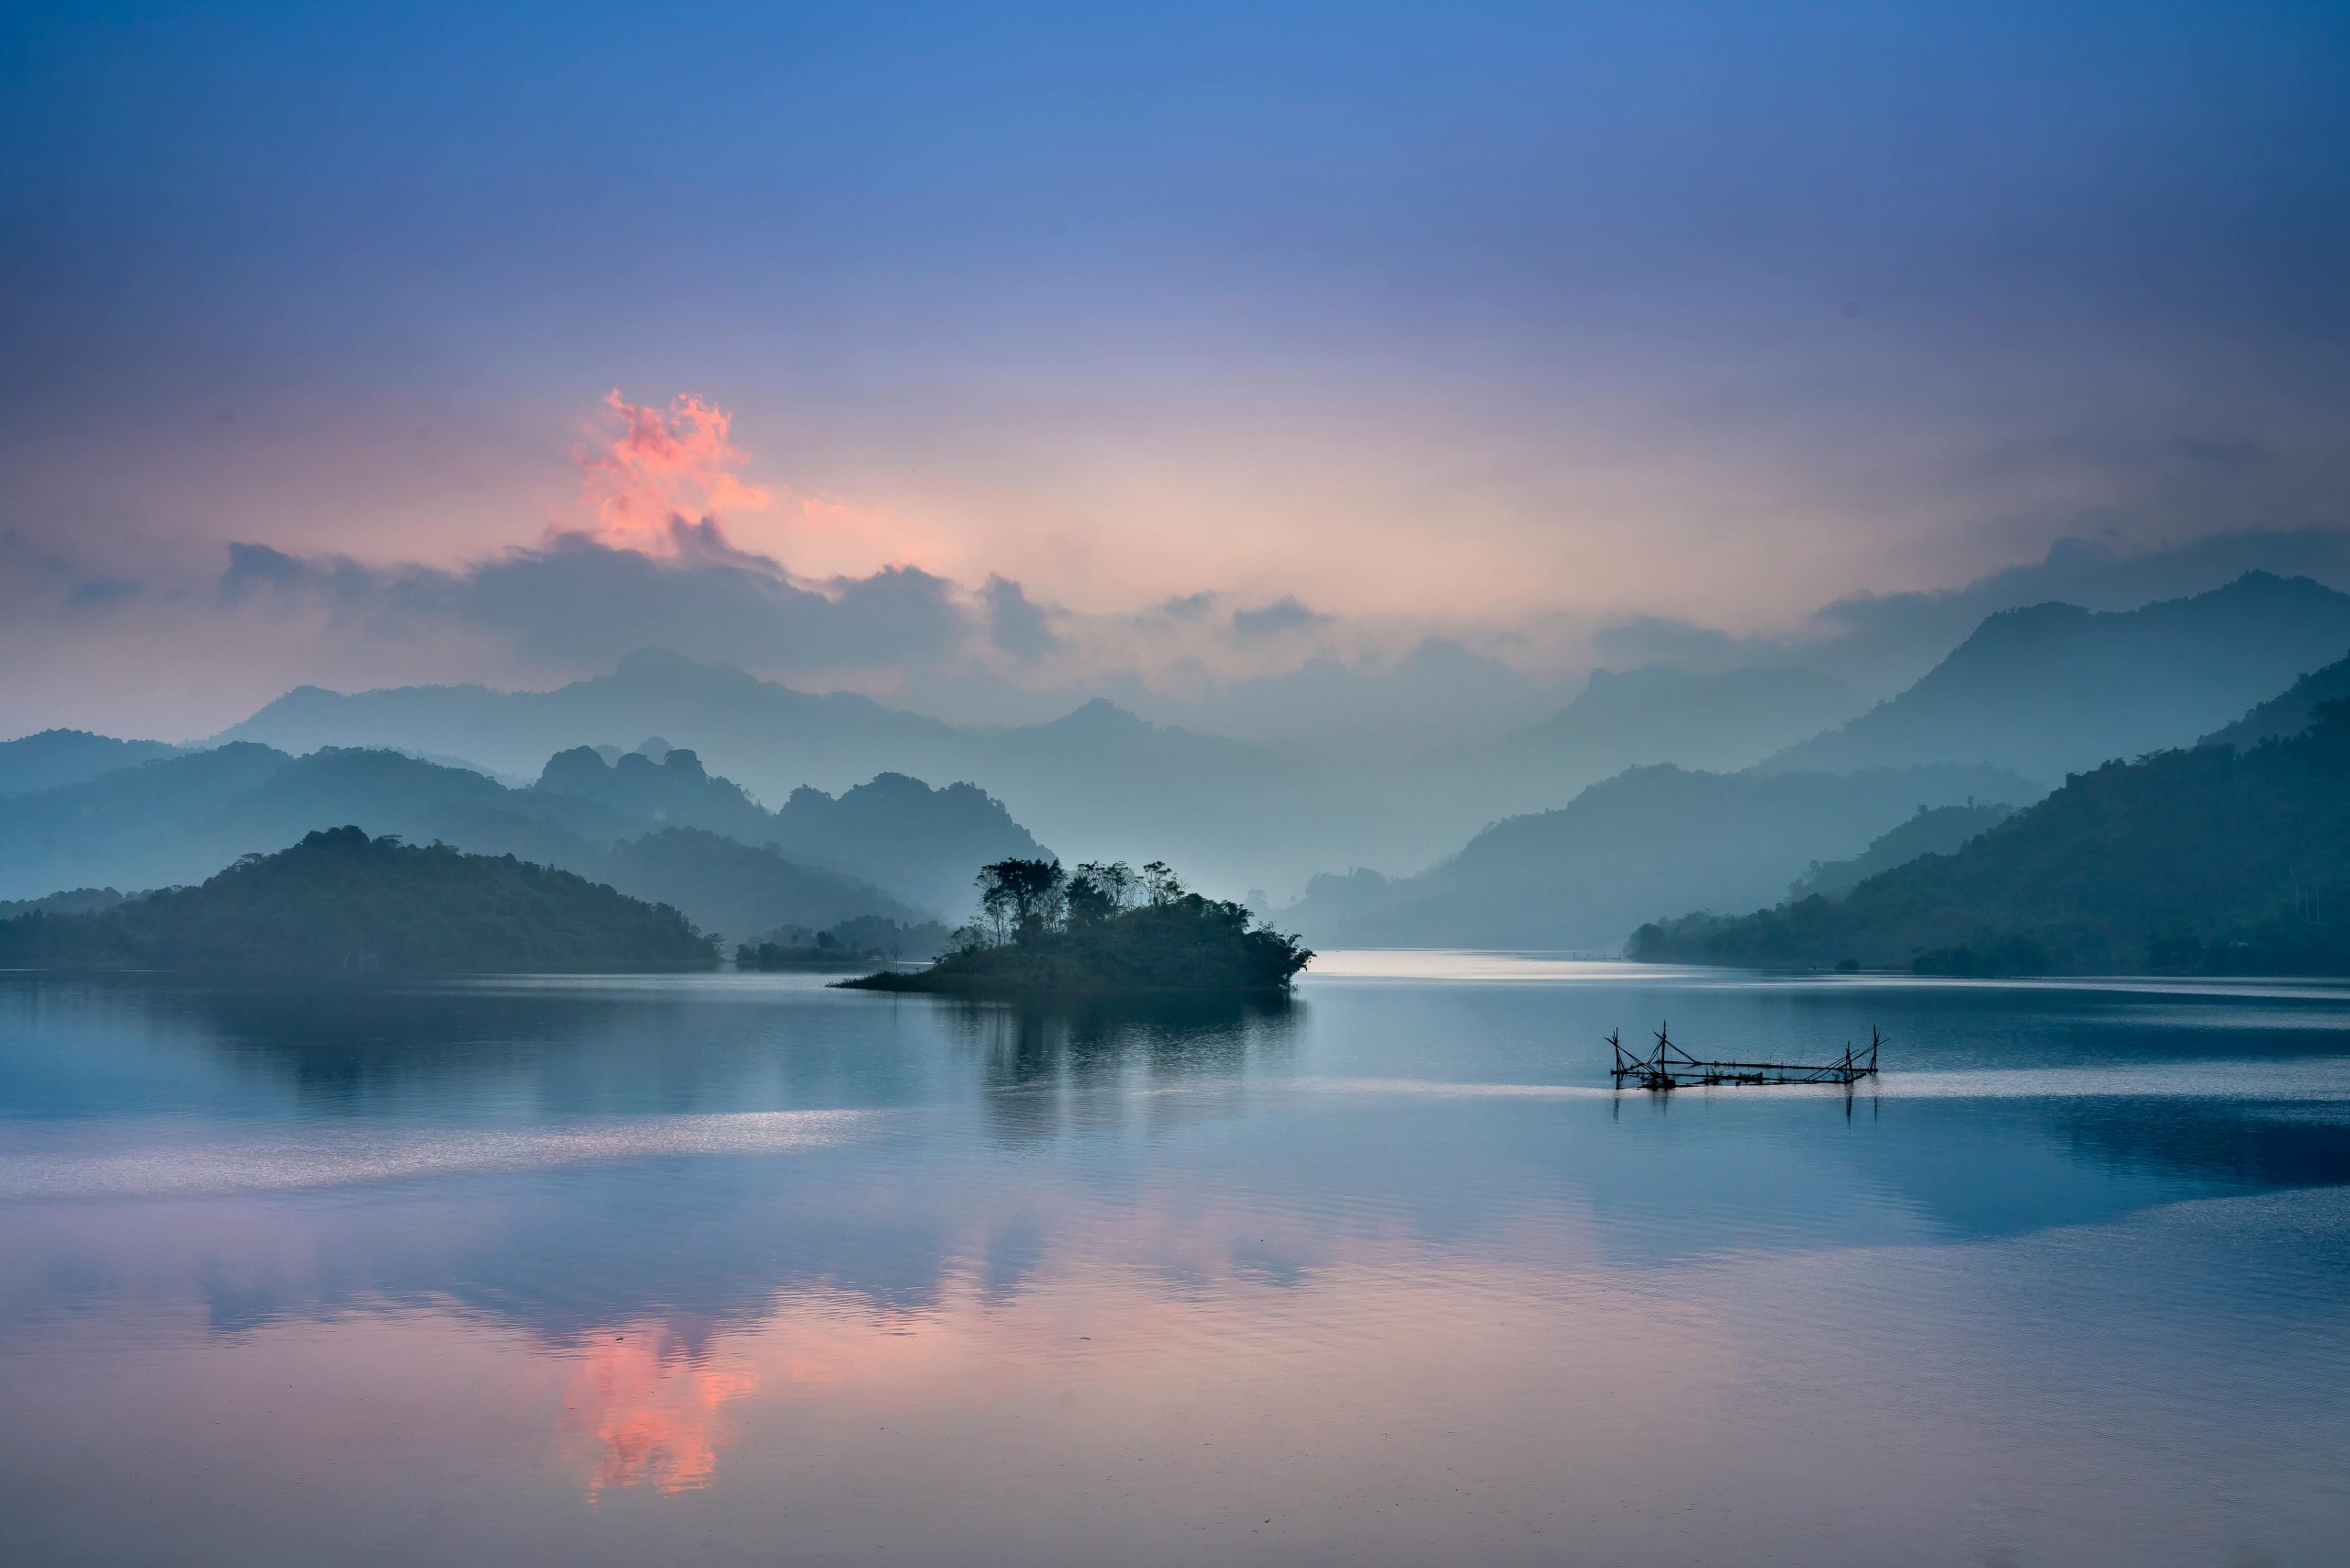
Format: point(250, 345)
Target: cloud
point(31, 573)
point(1016, 625)
point(1880, 642)
point(578, 600)
point(662, 466)
point(1284, 614)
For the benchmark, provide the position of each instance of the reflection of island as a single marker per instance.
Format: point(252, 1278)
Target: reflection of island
point(1106, 930)
point(690, 1221)
point(1069, 1066)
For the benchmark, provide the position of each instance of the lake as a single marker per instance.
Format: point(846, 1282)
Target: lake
point(735, 1268)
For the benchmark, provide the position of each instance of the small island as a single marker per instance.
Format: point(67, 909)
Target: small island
point(1106, 930)
point(340, 902)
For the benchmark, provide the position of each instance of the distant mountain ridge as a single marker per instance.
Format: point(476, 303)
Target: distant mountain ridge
point(51, 758)
point(1935, 830)
point(919, 842)
point(815, 737)
point(1584, 876)
point(2052, 688)
point(2206, 858)
point(659, 831)
point(1711, 723)
point(2291, 711)
point(1098, 782)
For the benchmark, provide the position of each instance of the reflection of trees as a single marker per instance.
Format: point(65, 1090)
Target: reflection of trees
point(588, 1048)
point(1076, 1067)
point(340, 1044)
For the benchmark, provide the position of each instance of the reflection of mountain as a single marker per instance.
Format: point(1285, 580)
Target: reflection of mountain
point(988, 1146)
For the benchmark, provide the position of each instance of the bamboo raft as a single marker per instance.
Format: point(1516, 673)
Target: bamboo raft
point(1669, 1067)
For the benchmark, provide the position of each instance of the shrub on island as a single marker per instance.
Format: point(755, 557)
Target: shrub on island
point(1104, 930)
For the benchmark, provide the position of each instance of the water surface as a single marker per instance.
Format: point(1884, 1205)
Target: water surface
point(736, 1268)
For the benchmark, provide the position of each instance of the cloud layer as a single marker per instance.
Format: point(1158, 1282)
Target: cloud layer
point(579, 600)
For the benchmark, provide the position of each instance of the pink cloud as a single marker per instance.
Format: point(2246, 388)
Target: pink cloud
point(664, 468)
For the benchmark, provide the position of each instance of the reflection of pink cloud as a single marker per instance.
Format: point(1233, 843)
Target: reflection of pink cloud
point(663, 466)
point(655, 1418)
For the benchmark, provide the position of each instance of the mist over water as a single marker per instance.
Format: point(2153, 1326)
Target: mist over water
point(603, 1269)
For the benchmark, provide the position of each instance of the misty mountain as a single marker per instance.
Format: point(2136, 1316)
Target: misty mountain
point(72, 901)
point(1099, 782)
point(1114, 786)
point(1716, 723)
point(1935, 830)
point(2291, 711)
point(2054, 688)
point(675, 791)
point(1880, 642)
point(1584, 876)
point(738, 890)
point(773, 737)
point(52, 757)
point(2208, 859)
point(921, 845)
point(924, 844)
point(1440, 696)
point(135, 827)
point(178, 821)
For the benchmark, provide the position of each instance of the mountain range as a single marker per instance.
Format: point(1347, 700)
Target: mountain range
point(2288, 713)
point(1626, 802)
point(1582, 876)
point(669, 833)
point(2052, 688)
point(52, 757)
point(1109, 784)
point(2203, 858)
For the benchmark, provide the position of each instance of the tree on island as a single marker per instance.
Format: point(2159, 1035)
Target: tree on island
point(1106, 928)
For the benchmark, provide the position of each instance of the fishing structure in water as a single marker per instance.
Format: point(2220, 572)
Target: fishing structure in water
point(1669, 1067)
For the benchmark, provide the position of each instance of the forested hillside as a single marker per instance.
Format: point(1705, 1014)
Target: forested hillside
point(1650, 839)
point(340, 900)
point(667, 832)
point(2206, 859)
point(2051, 689)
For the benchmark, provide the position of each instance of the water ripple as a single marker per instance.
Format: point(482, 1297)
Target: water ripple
point(344, 1157)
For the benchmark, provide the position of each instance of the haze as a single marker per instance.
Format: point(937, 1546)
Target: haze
point(986, 363)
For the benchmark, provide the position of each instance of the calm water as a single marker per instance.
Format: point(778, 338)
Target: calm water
point(738, 1269)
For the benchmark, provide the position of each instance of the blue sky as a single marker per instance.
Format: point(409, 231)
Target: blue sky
point(1448, 317)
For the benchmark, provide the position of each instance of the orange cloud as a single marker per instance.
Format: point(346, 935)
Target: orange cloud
point(663, 467)
point(652, 1415)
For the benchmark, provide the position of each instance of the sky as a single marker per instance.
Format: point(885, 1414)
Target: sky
point(961, 350)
